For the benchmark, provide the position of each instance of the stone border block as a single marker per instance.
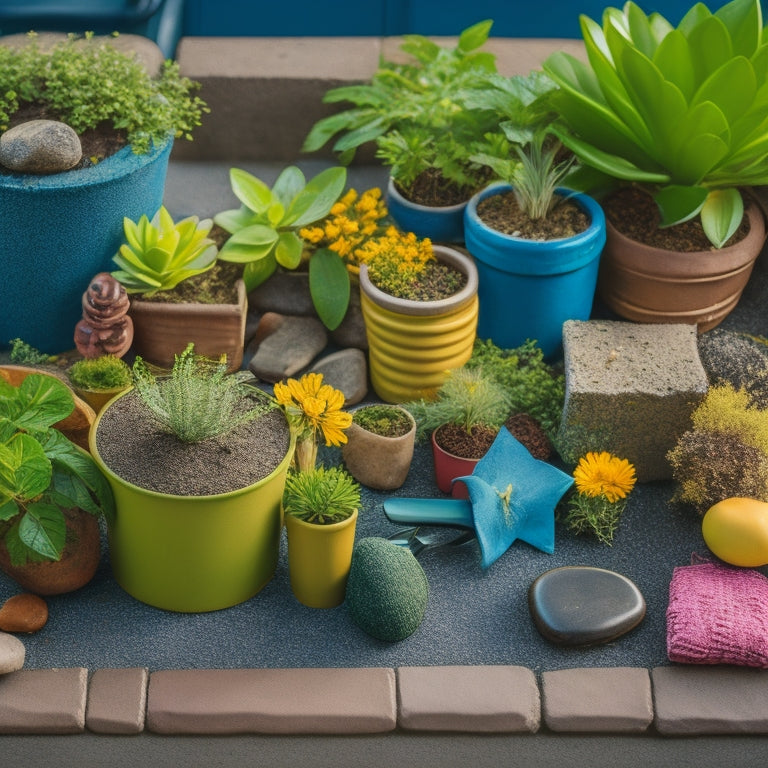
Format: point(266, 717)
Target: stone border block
point(285, 701)
point(43, 701)
point(477, 699)
point(607, 700)
point(117, 700)
point(695, 700)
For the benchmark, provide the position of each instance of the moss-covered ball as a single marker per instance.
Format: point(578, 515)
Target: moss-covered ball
point(387, 590)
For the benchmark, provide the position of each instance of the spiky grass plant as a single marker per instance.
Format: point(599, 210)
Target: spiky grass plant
point(321, 496)
point(199, 400)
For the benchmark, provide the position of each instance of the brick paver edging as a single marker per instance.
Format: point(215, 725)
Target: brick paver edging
point(671, 701)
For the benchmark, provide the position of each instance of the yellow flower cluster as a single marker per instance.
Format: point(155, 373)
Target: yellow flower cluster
point(313, 407)
point(350, 223)
point(603, 474)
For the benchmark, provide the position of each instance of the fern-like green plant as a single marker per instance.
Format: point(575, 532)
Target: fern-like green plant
point(321, 496)
point(199, 400)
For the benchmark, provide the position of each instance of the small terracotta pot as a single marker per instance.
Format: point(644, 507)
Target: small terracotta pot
point(653, 285)
point(378, 461)
point(162, 330)
point(448, 466)
point(77, 566)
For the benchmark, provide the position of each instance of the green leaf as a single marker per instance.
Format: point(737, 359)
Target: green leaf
point(236, 218)
point(289, 183)
point(744, 22)
point(43, 529)
point(710, 47)
point(249, 244)
point(44, 400)
point(256, 272)
point(249, 190)
point(672, 57)
point(721, 215)
point(731, 87)
point(678, 204)
point(8, 510)
point(288, 250)
point(475, 36)
point(315, 201)
point(329, 287)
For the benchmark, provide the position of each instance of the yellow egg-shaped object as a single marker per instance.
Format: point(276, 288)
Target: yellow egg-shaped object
point(736, 531)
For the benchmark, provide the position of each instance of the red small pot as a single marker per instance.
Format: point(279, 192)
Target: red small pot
point(448, 467)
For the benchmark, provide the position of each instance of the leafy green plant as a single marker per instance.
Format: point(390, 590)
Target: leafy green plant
point(418, 113)
point(469, 397)
point(681, 110)
point(87, 82)
point(105, 372)
point(159, 254)
point(25, 354)
point(385, 420)
point(321, 496)
point(265, 233)
point(531, 385)
point(725, 453)
point(199, 400)
point(41, 471)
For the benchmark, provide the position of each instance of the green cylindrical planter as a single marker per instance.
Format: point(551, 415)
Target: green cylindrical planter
point(413, 344)
point(319, 559)
point(194, 553)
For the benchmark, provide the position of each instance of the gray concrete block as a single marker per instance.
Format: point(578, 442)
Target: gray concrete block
point(608, 700)
point(117, 700)
point(692, 700)
point(473, 699)
point(630, 390)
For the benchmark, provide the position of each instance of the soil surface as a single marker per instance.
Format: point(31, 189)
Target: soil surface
point(635, 214)
point(467, 445)
point(503, 213)
point(431, 189)
point(134, 448)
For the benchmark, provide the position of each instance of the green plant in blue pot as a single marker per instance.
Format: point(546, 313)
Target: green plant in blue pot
point(537, 245)
point(679, 113)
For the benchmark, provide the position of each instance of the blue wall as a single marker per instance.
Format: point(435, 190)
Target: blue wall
point(512, 18)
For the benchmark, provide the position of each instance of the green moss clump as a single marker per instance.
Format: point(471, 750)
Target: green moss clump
point(106, 372)
point(383, 420)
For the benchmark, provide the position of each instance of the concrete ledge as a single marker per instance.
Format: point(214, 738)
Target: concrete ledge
point(117, 701)
point(598, 700)
point(265, 94)
point(477, 699)
point(306, 701)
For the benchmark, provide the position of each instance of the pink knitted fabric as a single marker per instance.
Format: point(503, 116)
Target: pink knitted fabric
point(718, 614)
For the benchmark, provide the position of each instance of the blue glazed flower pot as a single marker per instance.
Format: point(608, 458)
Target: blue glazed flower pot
point(528, 289)
point(441, 225)
point(58, 231)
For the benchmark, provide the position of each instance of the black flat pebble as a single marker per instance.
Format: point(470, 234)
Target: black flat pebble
point(581, 605)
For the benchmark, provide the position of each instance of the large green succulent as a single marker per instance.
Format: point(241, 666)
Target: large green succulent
point(682, 109)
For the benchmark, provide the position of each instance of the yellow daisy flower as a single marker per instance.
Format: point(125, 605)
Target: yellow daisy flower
point(603, 474)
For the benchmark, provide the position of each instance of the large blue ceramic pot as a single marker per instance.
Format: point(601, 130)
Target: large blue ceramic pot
point(527, 288)
point(58, 231)
point(444, 224)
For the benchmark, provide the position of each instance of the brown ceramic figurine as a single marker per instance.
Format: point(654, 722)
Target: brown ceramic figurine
point(106, 328)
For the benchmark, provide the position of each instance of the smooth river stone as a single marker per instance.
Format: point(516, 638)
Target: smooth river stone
point(581, 605)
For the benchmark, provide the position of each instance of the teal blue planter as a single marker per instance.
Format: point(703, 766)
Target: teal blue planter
point(527, 288)
point(441, 225)
point(58, 231)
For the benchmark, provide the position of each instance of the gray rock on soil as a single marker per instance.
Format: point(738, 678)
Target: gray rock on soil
point(630, 390)
point(346, 370)
point(40, 146)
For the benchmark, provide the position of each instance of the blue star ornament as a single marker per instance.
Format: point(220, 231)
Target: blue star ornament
point(513, 497)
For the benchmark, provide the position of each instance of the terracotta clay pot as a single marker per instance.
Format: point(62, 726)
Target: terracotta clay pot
point(448, 466)
point(653, 285)
point(77, 566)
point(162, 330)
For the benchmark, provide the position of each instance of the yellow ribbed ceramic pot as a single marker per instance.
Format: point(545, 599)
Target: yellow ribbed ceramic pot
point(319, 560)
point(413, 344)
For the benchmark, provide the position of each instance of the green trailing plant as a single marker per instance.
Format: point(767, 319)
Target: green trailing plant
point(469, 397)
point(725, 453)
point(157, 255)
point(41, 472)
point(424, 115)
point(681, 110)
point(265, 233)
point(531, 386)
point(321, 496)
point(385, 420)
point(25, 354)
point(87, 82)
point(199, 400)
point(105, 372)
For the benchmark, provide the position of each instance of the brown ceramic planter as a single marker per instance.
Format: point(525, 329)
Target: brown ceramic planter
point(162, 330)
point(652, 285)
point(377, 461)
point(77, 566)
point(77, 425)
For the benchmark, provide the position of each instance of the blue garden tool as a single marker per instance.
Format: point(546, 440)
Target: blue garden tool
point(511, 496)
